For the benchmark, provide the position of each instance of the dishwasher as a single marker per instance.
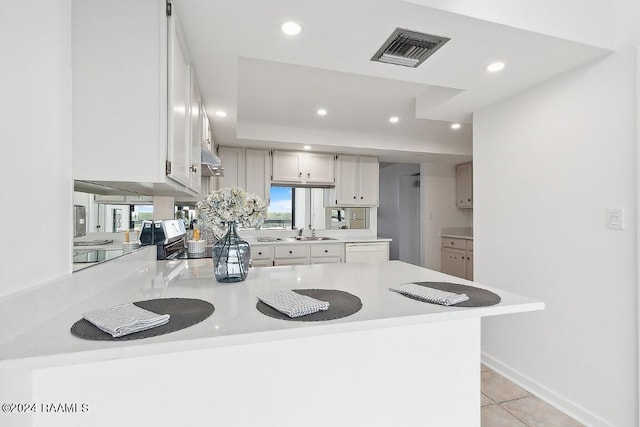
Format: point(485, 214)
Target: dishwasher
point(373, 252)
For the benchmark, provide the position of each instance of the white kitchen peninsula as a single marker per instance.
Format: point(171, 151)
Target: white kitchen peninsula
point(395, 362)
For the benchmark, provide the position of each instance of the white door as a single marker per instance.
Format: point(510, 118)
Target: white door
point(319, 168)
point(368, 180)
point(346, 180)
point(286, 166)
point(233, 164)
point(178, 150)
point(258, 172)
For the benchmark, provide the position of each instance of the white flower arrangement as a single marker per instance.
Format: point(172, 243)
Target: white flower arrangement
point(220, 207)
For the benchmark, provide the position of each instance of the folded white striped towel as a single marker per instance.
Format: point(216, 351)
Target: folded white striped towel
point(292, 303)
point(125, 319)
point(435, 296)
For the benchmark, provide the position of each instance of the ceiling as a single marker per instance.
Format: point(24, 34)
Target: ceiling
point(271, 84)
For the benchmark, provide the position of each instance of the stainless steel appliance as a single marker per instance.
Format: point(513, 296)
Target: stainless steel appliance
point(169, 236)
point(79, 221)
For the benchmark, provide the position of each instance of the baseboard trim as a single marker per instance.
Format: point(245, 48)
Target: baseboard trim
point(559, 402)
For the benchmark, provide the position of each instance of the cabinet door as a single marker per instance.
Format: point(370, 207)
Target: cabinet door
point(453, 262)
point(469, 266)
point(258, 172)
point(287, 167)
point(233, 164)
point(346, 180)
point(196, 136)
point(368, 180)
point(464, 185)
point(178, 147)
point(319, 168)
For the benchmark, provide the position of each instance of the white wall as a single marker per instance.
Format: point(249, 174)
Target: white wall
point(438, 207)
point(35, 140)
point(547, 164)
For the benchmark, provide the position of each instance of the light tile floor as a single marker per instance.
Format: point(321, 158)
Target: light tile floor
point(504, 404)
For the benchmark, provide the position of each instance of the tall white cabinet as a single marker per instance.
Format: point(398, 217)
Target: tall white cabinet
point(132, 98)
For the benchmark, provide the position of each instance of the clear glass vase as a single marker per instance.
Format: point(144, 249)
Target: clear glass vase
point(231, 257)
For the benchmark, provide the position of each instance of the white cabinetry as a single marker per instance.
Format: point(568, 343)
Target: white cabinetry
point(457, 257)
point(464, 185)
point(258, 172)
point(291, 255)
point(327, 253)
point(262, 256)
point(297, 254)
point(291, 167)
point(233, 163)
point(357, 182)
point(130, 75)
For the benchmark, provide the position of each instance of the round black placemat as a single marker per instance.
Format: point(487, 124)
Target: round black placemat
point(477, 297)
point(184, 312)
point(341, 304)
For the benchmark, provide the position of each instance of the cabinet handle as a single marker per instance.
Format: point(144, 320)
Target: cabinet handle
point(308, 174)
point(299, 174)
point(326, 251)
point(259, 253)
point(361, 197)
point(354, 197)
point(193, 169)
point(290, 252)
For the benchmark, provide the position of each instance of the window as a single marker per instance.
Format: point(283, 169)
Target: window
point(281, 210)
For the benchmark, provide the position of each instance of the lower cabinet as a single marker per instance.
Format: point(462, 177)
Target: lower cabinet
point(291, 255)
point(297, 254)
point(262, 256)
point(327, 253)
point(457, 257)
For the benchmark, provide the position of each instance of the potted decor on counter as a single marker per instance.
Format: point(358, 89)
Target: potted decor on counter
point(221, 211)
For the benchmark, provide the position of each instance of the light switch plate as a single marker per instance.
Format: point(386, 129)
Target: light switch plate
point(614, 219)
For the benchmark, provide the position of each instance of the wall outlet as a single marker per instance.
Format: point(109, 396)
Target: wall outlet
point(614, 219)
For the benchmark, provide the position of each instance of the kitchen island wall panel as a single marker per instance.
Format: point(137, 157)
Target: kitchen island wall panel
point(260, 383)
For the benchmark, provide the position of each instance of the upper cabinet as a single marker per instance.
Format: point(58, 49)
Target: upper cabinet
point(258, 172)
point(246, 168)
point(292, 167)
point(135, 99)
point(357, 182)
point(233, 163)
point(464, 185)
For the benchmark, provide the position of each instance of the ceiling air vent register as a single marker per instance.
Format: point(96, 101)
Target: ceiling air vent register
point(408, 48)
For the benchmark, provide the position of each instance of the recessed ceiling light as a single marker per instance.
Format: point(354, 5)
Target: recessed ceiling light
point(322, 112)
point(307, 147)
point(496, 66)
point(455, 125)
point(291, 28)
point(394, 119)
point(221, 113)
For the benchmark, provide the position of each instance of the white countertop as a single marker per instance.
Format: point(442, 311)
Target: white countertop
point(45, 340)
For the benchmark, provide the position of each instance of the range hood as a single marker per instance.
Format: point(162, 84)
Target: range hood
point(211, 164)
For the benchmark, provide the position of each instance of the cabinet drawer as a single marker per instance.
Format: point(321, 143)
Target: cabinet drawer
point(261, 263)
point(450, 242)
point(262, 252)
point(326, 250)
point(291, 251)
